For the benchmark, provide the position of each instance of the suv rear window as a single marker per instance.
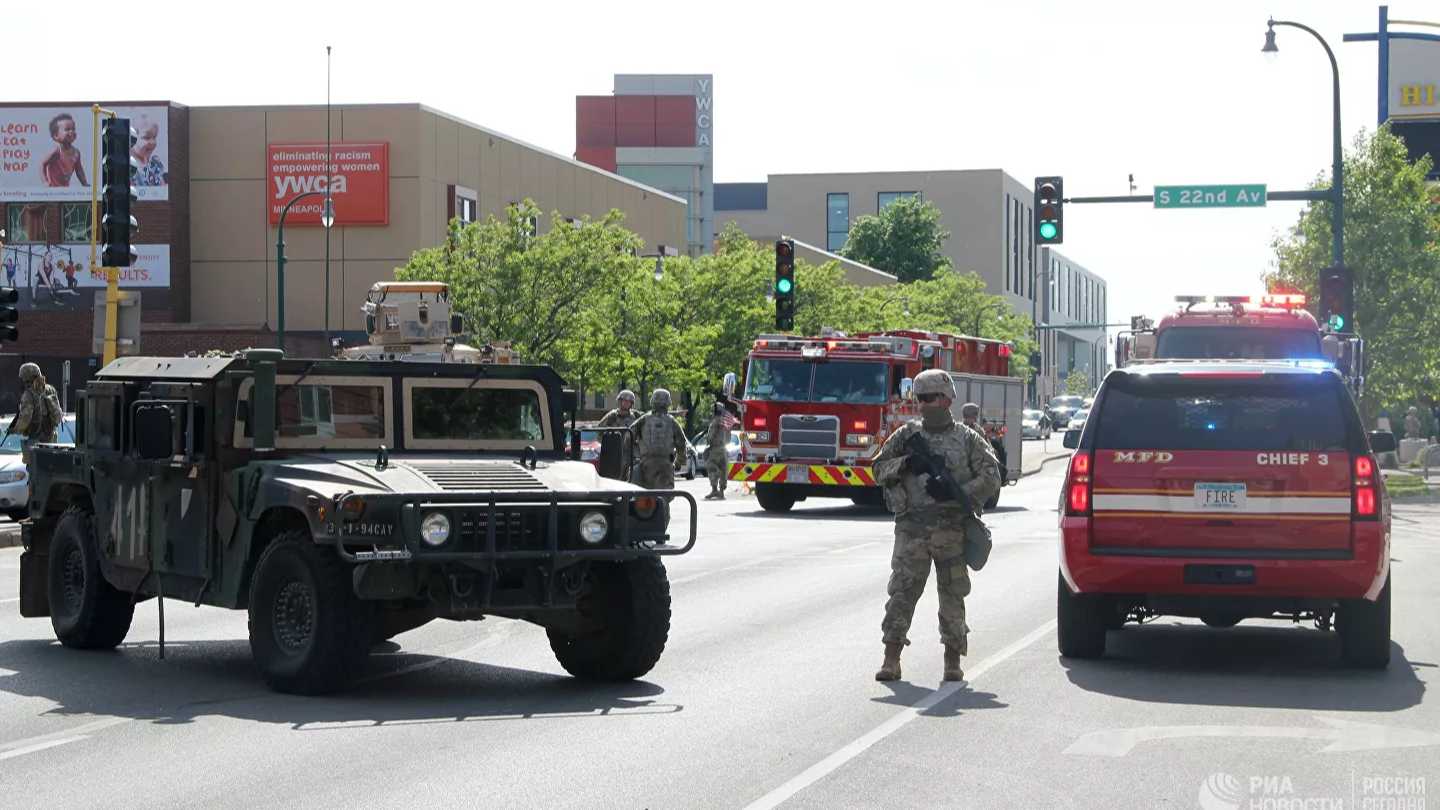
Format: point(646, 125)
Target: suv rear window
point(1288, 412)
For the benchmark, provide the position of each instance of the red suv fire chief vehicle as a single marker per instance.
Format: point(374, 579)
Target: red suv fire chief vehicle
point(1226, 490)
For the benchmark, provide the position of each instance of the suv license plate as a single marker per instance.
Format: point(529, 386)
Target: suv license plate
point(1220, 497)
point(797, 474)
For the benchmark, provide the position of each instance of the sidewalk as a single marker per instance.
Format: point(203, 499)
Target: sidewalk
point(1036, 454)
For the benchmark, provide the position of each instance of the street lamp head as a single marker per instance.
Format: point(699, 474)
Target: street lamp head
point(905, 306)
point(1270, 50)
point(327, 214)
point(659, 268)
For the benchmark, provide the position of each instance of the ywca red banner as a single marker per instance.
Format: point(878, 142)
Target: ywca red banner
point(359, 181)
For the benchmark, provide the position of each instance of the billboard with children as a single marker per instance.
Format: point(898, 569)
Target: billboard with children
point(46, 153)
point(52, 277)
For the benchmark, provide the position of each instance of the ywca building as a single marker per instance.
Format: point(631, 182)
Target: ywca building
point(211, 186)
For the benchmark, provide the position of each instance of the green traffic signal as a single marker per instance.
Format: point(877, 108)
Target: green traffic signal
point(1337, 322)
point(783, 286)
point(1047, 230)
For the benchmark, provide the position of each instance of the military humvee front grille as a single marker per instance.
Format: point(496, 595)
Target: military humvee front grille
point(463, 477)
point(514, 531)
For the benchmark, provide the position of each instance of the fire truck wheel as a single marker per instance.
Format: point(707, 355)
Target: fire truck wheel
point(870, 498)
point(773, 499)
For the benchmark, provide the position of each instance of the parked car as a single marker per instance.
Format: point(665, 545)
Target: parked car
point(1061, 408)
point(732, 448)
point(1077, 421)
point(14, 479)
point(1034, 424)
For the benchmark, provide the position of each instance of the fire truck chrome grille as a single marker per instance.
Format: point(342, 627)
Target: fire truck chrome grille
point(809, 436)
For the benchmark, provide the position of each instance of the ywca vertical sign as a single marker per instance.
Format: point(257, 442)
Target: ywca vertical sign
point(358, 180)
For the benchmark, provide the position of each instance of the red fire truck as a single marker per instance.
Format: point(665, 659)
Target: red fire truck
point(815, 410)
point(1241, 327)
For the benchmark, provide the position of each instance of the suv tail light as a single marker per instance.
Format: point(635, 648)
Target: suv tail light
point(1077, 485)
point(1367, 495)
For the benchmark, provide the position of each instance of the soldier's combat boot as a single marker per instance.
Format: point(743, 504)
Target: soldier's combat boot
point(890, 670)
point(952, 664)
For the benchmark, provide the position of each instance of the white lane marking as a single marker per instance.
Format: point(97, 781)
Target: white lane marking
point(8, 601)
point(41, 742)
point(830, 764)
point(852, 548)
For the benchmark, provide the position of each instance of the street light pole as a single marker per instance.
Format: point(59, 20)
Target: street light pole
point(984, 309)
point(1337, 169)
point(280, 263)
point(905, 308)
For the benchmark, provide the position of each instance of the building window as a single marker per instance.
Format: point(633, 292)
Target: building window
point(466, 209)
point(884, 198)
point(837, 221)
point(599, 399)
point(1009, 238)
point(75, 222)
point(25, 223)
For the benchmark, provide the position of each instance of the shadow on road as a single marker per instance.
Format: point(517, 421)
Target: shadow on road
point(836, 512)
point(965, 699)
point(218, 678)
point(1190, 664)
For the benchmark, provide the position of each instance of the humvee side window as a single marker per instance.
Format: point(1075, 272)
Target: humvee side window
point(492, 415)
point(102, 430)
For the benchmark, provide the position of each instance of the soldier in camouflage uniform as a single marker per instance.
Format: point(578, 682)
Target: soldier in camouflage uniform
point(659, 441)
point(624, 415)
point(928, 530)
point(716, 461)
point(39, 418)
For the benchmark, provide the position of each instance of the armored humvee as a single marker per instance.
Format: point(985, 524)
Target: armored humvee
point(412, 320)
point(341, 502)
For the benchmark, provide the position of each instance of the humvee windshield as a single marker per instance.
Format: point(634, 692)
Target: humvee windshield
point(355, 412)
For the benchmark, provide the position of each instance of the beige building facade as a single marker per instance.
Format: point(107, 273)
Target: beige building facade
point(438, 167)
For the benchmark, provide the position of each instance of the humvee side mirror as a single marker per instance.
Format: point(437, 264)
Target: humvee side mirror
point(457, 325)
point(907, 388)
point(574, 445)
point(154, 432)
point(569, 401)
point(728, 386)
point(1382, 441)
point(1071, 439)
point(262, 396)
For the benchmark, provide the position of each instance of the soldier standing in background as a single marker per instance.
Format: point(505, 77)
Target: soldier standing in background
point(39, 418)
point(717, 462)
point(929, 526)
point(624, 414)
point(660, 441)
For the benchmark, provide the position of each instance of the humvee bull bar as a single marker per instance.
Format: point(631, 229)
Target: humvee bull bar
point(413, 508)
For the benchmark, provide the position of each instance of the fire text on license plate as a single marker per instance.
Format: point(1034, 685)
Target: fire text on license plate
point(1220, 497)
point(797, 474)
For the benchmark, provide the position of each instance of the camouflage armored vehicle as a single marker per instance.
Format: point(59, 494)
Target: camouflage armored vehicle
point(341, 502)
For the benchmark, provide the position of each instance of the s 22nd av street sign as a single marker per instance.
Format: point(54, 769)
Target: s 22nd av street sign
point(1250, 195)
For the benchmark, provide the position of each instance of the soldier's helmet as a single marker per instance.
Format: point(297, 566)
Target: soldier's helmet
point(660, 399)
point(626, 396)
point(719, 409)
point(29, 372)
point(934, 381)
point(969, 411)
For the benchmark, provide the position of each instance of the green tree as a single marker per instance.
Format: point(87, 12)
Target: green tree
point(1077, 383)
point(904, 239)
point(1391, 228)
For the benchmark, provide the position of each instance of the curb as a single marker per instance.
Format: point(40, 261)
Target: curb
point(10, 539)
point(1043, 463)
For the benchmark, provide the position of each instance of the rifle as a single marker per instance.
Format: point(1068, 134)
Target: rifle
point(942, 485)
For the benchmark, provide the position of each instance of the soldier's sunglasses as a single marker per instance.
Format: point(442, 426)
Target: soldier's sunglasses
point(928, 397)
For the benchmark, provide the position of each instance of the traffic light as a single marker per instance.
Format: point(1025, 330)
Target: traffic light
point(9, 314)
point(1049, 210)
point(118, 171)
point(785, 284)
point(1337, 299)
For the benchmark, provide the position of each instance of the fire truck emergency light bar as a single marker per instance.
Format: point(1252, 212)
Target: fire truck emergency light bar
point(1281, 300)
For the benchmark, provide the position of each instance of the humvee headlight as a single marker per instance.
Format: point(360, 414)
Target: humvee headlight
point(435, 529)
point(593, 527)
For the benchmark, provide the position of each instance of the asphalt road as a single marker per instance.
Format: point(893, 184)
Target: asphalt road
point(765, 697)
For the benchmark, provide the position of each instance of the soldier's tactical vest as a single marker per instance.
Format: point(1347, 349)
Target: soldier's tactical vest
point(656, 436)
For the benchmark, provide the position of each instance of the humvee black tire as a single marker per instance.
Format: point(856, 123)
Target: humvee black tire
point(773, 499)
point(1364, 629)
point(309, 634)
point(630, 601)
point(1080, 623)
point(86, 612)
point(1221, 620)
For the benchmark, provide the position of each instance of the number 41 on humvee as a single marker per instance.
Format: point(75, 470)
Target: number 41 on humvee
point(341, 502)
